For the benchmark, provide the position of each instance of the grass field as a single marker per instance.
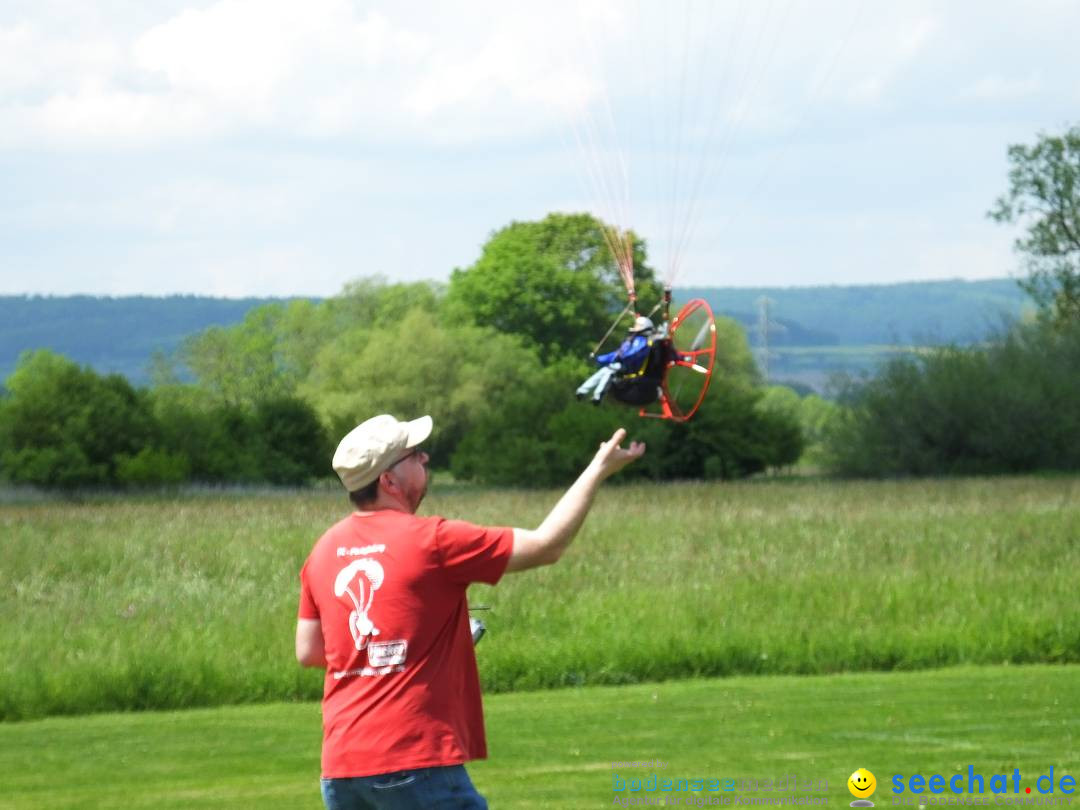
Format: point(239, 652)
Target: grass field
point(121, 604)
point(818, 365)
point(555, 749)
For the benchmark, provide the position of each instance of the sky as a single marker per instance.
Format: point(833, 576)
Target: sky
point(272, 148)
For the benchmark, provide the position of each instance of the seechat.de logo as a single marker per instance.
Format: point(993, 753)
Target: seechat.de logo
point(977, 784)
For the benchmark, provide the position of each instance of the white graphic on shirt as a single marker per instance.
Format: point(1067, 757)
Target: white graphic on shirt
point(387, 653)
point(360, 579)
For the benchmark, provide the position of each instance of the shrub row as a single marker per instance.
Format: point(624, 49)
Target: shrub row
point(64, 426)
point(1007, 407)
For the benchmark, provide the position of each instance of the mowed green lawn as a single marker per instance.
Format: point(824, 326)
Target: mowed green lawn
point(555, 749)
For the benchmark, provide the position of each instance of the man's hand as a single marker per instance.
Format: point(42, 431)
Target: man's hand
point(611, 458)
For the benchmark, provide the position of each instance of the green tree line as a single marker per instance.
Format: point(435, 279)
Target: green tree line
point(494, 356)
point(64, 426)
point(1010, 406)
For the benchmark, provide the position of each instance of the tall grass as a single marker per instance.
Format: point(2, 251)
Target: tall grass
point(155, 602)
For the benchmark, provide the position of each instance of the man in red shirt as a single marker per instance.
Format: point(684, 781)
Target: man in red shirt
point(383, 609)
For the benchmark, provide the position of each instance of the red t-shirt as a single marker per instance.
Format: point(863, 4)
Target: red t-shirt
point(402, 689)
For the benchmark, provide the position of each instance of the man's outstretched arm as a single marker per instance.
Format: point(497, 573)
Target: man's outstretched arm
point(545, 544)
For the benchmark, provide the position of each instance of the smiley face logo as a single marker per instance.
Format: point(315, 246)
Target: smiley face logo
point(862, 784)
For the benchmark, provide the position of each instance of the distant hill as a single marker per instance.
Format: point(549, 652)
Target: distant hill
point(110, 334)
point(923, 313)
point(815, 333)
point(815, 330)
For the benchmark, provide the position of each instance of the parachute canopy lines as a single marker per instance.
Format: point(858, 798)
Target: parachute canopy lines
point(681, 110)
point(674, 98)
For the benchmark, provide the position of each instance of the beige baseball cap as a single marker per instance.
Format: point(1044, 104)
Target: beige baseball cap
point(374, 446)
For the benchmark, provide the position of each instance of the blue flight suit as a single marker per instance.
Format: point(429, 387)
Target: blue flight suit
point(628, 358)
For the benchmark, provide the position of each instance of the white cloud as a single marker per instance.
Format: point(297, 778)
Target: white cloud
point(999, 88)
point(519, 72)
point(34, 61)
point(16, 44)
point(237, 65)
point(96, 112)
point(206, 140)
point(227, 53)
point(253, 57)
point(429, 73)
point(322, 68)
point(882, 53)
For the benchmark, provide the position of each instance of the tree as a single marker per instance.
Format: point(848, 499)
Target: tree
point(64, 426)
point(816, 418)
point(515, 443)
point(418, 366)
point(294, 447)
point(371, 301)
point(554, 282)
point(240, 365)
point(734, 358)
point(731, 436)
point(1007, 407)
point(272, 351)
point(1044, 194)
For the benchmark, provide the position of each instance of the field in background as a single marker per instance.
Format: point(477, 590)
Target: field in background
point(819, 366)
point(190, 601)
point(555, 749)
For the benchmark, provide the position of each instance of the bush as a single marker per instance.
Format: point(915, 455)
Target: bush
point(416, 366)
point(278, 440)
point(1012, 406)
point(220, 441)
point(294, 446)
point(64, 426)
point(152, 467)
point(731, 437)
point(514, 443)
point(543, 437)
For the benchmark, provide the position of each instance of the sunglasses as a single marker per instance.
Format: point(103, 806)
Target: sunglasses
point(411, 453)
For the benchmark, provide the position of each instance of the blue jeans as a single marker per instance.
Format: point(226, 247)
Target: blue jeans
point(447, 788)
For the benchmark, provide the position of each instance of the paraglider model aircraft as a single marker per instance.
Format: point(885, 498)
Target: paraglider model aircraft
point(672, 381)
